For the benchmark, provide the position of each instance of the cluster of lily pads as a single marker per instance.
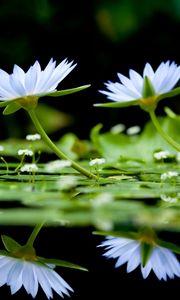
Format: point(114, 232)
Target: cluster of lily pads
point(107, 182)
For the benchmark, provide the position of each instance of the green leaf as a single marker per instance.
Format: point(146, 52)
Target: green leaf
point(146, 250)
point(61, 263)
point(118, 104)
point(11, 108)
point(10, 244)
point(66, 92)
point(66, 144)
point(141, 147)
point(170, 113)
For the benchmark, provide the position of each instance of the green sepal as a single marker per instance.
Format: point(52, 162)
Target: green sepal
point(65, 92)
point(128, 234)
point(148, 89)
point(170, 94)
point(146, 250)
point(11, 108)
point(10, 244)
point(170, 246)
point(61, 263)
point(118, 104)
point(4, 253)
point(8, 102)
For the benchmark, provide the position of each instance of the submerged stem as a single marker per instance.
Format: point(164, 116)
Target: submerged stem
point(34, 234)
point(164, 135)
point(55, 149)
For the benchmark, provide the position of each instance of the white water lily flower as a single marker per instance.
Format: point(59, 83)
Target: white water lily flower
point(147, 88)
point(17, 272)
point(162, 261)
point(34, 82)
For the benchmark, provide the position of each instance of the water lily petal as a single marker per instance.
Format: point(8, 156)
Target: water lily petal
point(162, 80)
point(162, 261)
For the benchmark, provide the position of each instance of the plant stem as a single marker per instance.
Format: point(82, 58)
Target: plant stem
point(34, 234)
point(55, 149)
point(168, 139)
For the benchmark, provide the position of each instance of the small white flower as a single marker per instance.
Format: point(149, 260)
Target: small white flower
point(169, 175)
point(33, 137)
point(18, 273)
point(133, 130)
point(118, 128)
point(29, 168)
point(1, 148)
point(66, 182)
point(35, 82)
point(162, 80)
point(162, 261)
point(161, 155)
point(26, 152)
point(56, 165)
point(97, 161)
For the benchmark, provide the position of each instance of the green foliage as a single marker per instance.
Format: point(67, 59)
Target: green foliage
point(128, 195)
point(57, 120)
point(117, 147)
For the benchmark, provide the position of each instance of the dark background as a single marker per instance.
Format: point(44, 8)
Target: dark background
point(103, 37)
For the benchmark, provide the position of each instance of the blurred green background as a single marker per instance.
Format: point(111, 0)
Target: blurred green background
point(103, 37)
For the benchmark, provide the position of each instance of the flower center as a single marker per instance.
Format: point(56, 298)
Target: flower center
point(28, 102)
point(147, 239)
point(147, 236)
point(149, 103)
point(147, 243)
point(26, 253)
